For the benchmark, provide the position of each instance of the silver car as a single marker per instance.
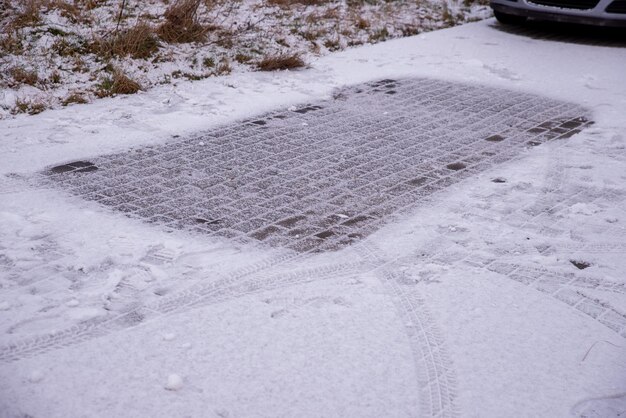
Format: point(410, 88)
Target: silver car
point(592, 12)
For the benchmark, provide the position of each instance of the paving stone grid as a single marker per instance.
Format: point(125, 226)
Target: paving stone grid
point(321, 176)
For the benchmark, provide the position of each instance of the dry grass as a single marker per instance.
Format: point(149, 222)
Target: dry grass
point(117, 83)
point(181, 23)
point(333, 44)
point(378, 36)
point(138, 42)
point(281, 62)
point(22, 76)
point(65, 47)
point(28, 14)
point(11, 43)
point(75, 97)
point(362, 23)
point(55, 77)
point(76, 11)
point(242, 58)
point(30, 106)
point(287, 3)
point(224, 68)
point(208, 62)
point(141, 36)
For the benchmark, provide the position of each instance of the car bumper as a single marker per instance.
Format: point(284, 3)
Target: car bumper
point(597, 16)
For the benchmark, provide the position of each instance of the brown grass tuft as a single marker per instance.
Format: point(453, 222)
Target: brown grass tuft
point(22, 76)
point(74, 11)
point(224, 67)
point(287, 3)
point(11, 43)
point(30, 106)
point(181, 23)
point(281, 62)
point(362, 23)
point(117, 83)
point(69, 48)
point(75, 97)
point(138, 41)
point(28, 15)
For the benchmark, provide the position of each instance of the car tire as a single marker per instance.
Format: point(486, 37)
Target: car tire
point(507, 19)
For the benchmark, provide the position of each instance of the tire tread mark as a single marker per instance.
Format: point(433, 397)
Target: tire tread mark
point(94, 328)
point(566, 288)
point(436, 377)
point(257, 285)
point(228, 289)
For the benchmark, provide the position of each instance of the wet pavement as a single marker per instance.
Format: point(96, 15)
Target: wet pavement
point(321, 176)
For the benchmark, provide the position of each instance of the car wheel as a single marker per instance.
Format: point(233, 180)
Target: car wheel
point(508, 19)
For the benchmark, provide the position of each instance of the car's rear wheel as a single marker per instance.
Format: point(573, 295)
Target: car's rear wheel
point(508, 19)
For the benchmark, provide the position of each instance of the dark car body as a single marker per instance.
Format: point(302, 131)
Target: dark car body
point(590, 12)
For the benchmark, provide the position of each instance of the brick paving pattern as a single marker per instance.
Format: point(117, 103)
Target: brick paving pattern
point(324, 175)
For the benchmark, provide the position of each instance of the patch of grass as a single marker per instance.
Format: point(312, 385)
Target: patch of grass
point(190, 76)
point(92, 4)
point(225, 39)
point(312, 35)
point(362, 23)
point(30, 106)
point(75, 98)
point(410, 30)
point(11, 43)
point(117, 83)
point(331, 13)
point(378, 36)
point(23, 76)
point(468, 3)
point(332, 44)
point(28, 14)
point(68, 48)
point(56, 32)
point(447, 16)
point(224, 67)
point(138, 42)
point(79, 65)
point(242, 58)
point(208, 62)
point(287, 3)
point(181, 23)
point(281, 62)
point(229, 33)
point(355, 42)
point(55, 77)
point(74, 11)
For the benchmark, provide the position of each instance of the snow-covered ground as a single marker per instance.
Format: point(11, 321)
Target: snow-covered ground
point(61, 52)
point(469, 306)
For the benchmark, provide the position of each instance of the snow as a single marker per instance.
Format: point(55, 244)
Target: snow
point(72, 303)
point(170, 336)
point(240, 34)
point(338, 344)
point(36, 376)
point(174, 382)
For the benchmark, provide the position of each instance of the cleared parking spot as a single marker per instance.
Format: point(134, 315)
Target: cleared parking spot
point(323, 175)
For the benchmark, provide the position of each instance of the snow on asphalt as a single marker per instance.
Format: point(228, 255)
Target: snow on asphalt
point(471, 305)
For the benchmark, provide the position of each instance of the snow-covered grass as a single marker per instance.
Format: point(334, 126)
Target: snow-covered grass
point(59, 52)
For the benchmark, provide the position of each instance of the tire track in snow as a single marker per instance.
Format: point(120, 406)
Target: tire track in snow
point(102, 326)
point(569, 289)
point(436, 376)
point(234, 286)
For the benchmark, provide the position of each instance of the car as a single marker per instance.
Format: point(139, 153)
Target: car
point(591, 12)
